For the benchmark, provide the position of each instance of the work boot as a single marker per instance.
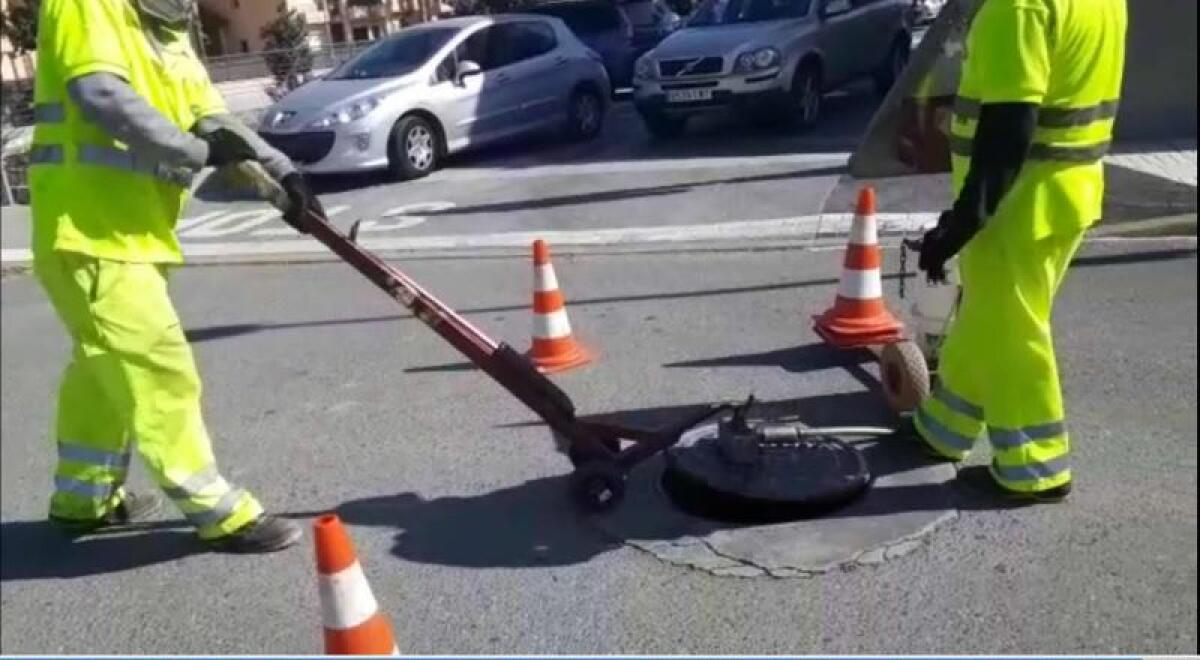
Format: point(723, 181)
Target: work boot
point(132, 508)
point(907, 432)
point(979, 478)
point(265, 534)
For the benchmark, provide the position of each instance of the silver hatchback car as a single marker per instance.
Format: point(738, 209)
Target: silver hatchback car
point(438, 88)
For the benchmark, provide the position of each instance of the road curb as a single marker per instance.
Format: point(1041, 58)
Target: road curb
point(888, 242)
point(1172, 225)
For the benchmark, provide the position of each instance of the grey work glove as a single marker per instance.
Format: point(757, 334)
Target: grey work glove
point(302, 202)
point(225, 147)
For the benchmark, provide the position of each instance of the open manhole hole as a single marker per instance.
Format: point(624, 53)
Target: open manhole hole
point(746, 473)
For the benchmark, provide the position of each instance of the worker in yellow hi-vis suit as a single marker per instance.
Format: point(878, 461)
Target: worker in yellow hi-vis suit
point(125, 115)
point(1032, 120)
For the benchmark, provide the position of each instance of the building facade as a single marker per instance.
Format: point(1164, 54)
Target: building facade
point(234, 26)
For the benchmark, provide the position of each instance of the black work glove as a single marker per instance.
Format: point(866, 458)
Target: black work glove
point(302, 201)
point(944, 241)
point(225, 147)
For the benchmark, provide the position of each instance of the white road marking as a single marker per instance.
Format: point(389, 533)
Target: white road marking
point(188, 223)
point(286, 230)
point(221, 226)
point(405, 216)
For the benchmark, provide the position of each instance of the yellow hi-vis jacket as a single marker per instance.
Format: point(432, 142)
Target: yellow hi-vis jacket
point(90, 193)
point(1069, 66)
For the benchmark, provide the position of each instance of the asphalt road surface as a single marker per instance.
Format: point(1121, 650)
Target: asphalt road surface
point(322, 396)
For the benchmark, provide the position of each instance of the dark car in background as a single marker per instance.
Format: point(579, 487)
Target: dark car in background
point(652, 21)
point(603, 27)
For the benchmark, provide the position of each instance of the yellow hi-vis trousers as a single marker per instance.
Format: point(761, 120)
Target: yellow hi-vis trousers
point(997, 370)
point(132, 380)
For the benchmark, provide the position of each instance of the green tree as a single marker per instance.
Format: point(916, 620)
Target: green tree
point(289, 57)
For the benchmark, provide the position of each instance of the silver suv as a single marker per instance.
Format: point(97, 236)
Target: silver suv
point(772, 58)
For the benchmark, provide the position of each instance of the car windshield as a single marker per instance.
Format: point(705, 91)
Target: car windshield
point(725, 12)
point(583, 17)
point(395, 56)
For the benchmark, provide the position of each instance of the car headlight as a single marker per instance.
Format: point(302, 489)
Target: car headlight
point(347, 114)
point(757, 60)
point(643, 68)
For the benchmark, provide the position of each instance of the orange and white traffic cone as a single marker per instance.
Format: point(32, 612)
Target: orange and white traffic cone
point(859, 316)
point(349, 613)
point(554, 347)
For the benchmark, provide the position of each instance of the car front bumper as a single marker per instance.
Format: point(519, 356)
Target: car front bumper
point(332, 151)
point(751, 91)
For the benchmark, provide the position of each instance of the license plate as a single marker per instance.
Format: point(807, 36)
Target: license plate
point(688, 95)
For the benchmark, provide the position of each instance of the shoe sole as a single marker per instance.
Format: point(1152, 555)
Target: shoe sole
point(282, 544)
point(994, 490)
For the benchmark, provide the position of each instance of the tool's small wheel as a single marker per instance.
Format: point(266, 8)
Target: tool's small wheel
point(597, 486)
point(905, 375)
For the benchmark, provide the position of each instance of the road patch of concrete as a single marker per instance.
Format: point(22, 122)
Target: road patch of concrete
point(908, 501)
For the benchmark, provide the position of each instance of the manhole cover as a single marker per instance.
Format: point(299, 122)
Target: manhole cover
point(771, 481)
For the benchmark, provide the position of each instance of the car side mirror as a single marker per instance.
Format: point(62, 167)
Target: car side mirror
point(466, 69)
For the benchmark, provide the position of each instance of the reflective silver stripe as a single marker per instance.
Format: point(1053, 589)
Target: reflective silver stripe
point(1068, 117)
point(1032, 471)
point(1085, 154)
point(957, 403)
point(44, 154)
point(194, 485)
point(943, 434)
point(1048, 116)
point(961, 146)
point(128, 160)
point(222, 510)
point(80, 454)
point(83, 488)
point(1013, 438)
point(49, 113)
point(115, 158)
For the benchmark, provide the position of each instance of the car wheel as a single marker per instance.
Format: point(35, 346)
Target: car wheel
point(806, 97)
point(585, 115)
point(889, 71)
point(414, 149)
point(662, 126)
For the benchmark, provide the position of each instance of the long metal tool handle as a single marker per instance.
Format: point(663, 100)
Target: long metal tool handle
point(471, 341)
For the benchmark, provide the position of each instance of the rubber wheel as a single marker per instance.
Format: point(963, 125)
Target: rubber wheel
point(891, 68)
point(597, 486)
point(905, 376)
point(414, 148)
point(664, 127)
point(585, 115)
point(806, 97)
